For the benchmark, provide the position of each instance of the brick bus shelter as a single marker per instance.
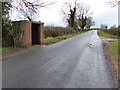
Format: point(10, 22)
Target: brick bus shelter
point(33, 33)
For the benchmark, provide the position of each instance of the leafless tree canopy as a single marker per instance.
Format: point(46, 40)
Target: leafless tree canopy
point(81, 8)
point(113, 3)
point(65, 11)
point(84, 10)
point(28, 8)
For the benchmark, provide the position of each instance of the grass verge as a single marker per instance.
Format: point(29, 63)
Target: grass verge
point(113, 52)
point(56, 39)
point(8, 48)
point(102, 33)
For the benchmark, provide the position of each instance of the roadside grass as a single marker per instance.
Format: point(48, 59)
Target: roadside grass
point(8, 48)
point(102, 33)
point(113, 51)
point(47, 41)
point(59, 38)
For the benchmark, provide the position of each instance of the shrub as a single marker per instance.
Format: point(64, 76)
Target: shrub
point(59, 31)
point(10, 31)
point(113, 31)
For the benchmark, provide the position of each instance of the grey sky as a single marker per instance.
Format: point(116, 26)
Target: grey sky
point(102, 13)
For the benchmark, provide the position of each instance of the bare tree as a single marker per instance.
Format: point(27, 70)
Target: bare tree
point(76, 14)
point(104, 26)
point(29, 8)
point(83, 15)
point(71, 19)
point(69, 13)
point(89, 22)
point(84, 10)
point(113, 3)
point(113, 26)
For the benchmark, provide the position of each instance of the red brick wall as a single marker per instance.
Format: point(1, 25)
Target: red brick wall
point(27, 37)
point(41, 33)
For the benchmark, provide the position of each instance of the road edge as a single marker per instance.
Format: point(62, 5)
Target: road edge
point(115, 79)
point(8, 54)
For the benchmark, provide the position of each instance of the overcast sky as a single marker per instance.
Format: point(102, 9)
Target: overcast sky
point(102, 13)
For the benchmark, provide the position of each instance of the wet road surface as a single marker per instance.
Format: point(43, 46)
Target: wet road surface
point(77, 62)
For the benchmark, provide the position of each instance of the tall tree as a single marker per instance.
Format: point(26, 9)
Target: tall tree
point(82, 21)
point(78, 14)
point(9, 30)
point(6, 6)
point(69, 16)
point(6, 23)
point(83, 14)
point(71, 19)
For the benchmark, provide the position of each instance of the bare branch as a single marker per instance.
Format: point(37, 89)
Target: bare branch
point(29, 8)
point(113, 3)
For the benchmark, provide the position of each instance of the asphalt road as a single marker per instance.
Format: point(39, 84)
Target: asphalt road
point(77, 62)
